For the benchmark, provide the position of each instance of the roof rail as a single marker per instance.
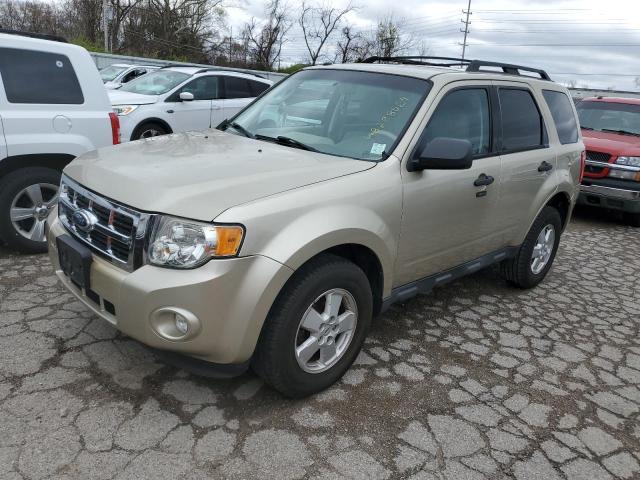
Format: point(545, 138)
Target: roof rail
point(227, 69)
point(420, 60)
point(472, 65)
point(510, 69)
point(41, 36)
point(175, 65)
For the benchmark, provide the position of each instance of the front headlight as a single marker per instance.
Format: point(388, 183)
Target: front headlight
point(122, 110)
point(629, 161)
point(181, 243)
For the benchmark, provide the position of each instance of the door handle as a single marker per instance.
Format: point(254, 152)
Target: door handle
point(483, 180)
point(169, 111)
point(545, 167)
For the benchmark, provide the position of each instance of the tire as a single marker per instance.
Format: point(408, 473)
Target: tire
point(275, 358)
point(521, 270)
point(27, 234)
point(148, 130)
point(632, 219)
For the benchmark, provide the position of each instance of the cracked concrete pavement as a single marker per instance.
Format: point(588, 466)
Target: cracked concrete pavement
point(475, 381)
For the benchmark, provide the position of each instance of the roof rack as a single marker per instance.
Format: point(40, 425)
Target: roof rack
point(472, 65)
point(227, 69)
point(41, 36)
point(507, 68)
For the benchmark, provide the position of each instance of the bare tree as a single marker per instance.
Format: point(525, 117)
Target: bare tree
point(265, 41)
point(318, 23)
point(389, 39)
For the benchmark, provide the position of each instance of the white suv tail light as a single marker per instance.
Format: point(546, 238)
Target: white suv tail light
point(115, 128)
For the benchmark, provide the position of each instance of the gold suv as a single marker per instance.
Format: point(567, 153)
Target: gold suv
point(273, 240)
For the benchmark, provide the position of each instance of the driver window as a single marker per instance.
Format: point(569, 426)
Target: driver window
point(462, 114)
point(202, 88)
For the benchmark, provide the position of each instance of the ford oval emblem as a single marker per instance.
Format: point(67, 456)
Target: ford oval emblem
point(84, 220)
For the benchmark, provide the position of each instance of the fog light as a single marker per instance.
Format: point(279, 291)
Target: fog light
point(181, 324)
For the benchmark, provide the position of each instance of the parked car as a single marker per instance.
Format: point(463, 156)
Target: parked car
point(611, 131)
point(177, 99)
point(116, 75)
point(273, 243)
point(53, 107)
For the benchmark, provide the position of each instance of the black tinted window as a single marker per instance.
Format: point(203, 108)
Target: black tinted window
point(521, 120)
point(258, 87)
point(563, 116)
point(237, 87)
point(462, 114)
point(38, 77)
point(202, 88)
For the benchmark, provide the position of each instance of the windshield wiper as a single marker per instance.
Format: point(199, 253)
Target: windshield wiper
point(288, 141)
point(622, 132)
point(585, 128)
point(236, 126)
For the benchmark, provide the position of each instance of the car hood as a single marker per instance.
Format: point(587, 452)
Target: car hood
point(613, 143)
point(118, 97)
point(199, 175)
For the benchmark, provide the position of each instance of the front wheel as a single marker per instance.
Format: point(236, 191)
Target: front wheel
point(26, 198)
point(316, 327)
point(536, 254)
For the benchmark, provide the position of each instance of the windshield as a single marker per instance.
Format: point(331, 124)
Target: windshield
point(155, 83)
point(353, 114)
point(609, 116)
point(109, 73)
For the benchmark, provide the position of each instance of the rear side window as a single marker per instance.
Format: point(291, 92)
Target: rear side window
point(39, 77)
point(236, 87)
point(258, 87)
point(563, 116)
point(462, 114)
point(522, 127)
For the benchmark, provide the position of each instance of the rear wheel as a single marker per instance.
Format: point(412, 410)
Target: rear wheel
point(632, 219)
point(26, 198)
point(315, 328)
point(536, 254)
point(148, 130)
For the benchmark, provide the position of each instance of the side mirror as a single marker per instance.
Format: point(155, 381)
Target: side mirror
point(443, 153)
point(186, 96)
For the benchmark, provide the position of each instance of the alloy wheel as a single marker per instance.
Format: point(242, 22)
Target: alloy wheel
point(543, 249)
point(30, 208)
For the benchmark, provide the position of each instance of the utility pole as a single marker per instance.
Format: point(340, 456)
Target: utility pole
point(230, 43)
point(466, 28)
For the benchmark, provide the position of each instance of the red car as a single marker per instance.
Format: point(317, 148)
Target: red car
point(611, 134)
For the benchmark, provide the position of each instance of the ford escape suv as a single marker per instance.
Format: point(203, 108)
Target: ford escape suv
point(273, 240)
point(611, 130)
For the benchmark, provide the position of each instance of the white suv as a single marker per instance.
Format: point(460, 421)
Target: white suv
point(177, 99)
point(116, 75)
point(53, 107)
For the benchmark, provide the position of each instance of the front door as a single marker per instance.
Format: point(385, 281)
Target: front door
point(194, 114)
point(237, 95)
point(449, 216)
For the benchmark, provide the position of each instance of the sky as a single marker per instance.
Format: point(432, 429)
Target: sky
point(593, 43)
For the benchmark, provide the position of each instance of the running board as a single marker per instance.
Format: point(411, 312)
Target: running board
point(426, 284)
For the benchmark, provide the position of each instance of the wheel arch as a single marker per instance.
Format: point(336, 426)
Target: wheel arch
point(561, 201)
point(55, 161)
point(151, 120)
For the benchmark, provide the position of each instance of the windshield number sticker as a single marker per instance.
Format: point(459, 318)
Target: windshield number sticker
point(388, 115)
point(378, 148)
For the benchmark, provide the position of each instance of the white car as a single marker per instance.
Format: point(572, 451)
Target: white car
point(177, 99)
point(53, 107)
point(116, 75)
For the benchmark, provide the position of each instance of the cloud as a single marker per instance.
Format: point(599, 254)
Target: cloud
point(579, 40)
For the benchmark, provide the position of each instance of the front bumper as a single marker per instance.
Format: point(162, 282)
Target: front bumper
point(609, 196)
point(231, 299)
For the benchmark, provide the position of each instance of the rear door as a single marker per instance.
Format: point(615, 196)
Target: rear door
point(194, 114)
point(448, 217)
point(237, 94)
point(528, 159)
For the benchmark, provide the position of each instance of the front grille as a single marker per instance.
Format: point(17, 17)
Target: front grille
point(113, 229)
point(596, 157)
